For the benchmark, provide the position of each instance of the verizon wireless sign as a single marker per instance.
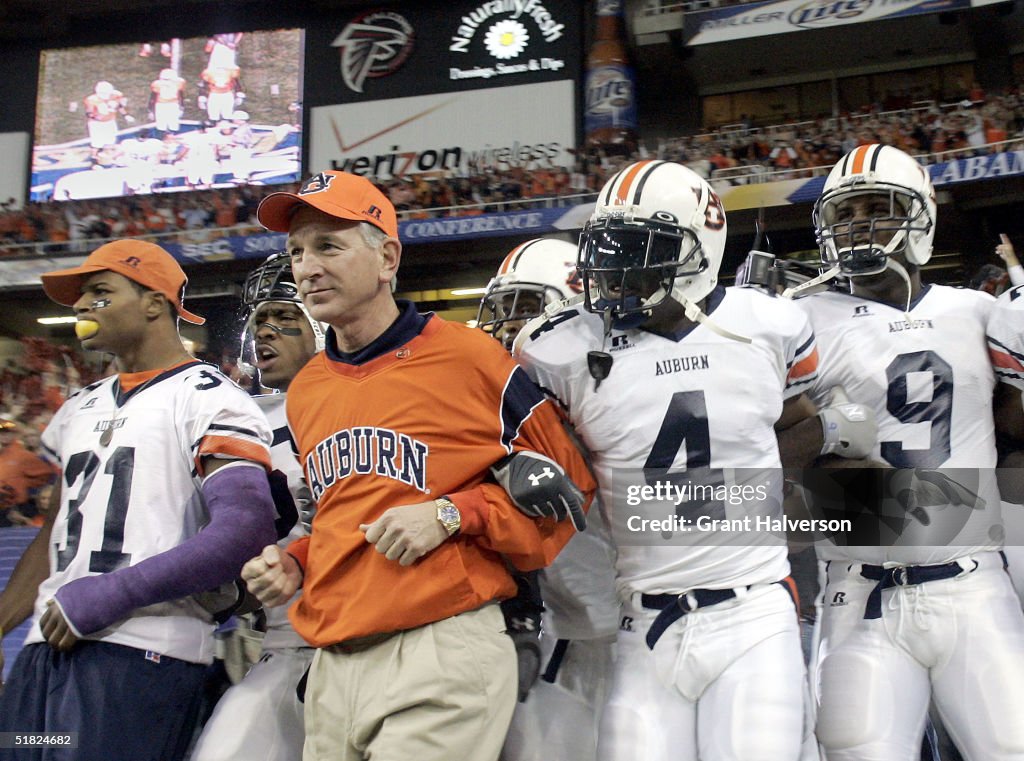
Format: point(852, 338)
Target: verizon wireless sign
point(455, 133)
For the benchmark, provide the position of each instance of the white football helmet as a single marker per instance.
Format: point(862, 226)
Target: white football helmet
point(271, 281)
point(903, 221)
point(535, 274)
point(658, 230)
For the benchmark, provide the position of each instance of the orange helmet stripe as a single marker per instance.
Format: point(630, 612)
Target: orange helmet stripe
point(859, 156)
point(506, 265)
point(627, 181)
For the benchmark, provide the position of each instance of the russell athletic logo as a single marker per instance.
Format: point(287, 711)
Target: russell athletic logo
point(374, 44)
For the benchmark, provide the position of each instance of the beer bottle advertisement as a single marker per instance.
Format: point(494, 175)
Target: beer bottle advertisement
point(610, 108)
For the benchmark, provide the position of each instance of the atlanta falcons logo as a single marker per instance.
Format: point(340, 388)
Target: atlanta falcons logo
point(373, 45)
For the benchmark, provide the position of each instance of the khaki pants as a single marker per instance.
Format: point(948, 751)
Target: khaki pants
point(440, 692)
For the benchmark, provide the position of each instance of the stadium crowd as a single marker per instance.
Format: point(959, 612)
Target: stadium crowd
point(740, 153)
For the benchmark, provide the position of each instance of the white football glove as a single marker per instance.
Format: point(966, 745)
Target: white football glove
point(849, 429)
point(540, 488)
point(919, 488)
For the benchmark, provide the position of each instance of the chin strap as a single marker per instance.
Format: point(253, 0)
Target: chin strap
point(899, 269)
point(824, 277)
point(694, 314)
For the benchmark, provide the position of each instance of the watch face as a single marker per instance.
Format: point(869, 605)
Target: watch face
point(449, 517)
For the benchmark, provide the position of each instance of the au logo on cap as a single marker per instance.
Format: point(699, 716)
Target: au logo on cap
point(317, 184)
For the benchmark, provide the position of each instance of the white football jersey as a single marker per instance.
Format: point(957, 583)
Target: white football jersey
point(295, 509)
point(928, 377)
point(111, 516)
point(1006, 337)
point(698, 405)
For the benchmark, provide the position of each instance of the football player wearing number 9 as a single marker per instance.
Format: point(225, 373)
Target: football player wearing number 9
point(163, 494)
point(935, 617)
point(689, 377)
point(261, 716)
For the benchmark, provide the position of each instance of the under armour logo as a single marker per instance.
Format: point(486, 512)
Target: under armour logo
point(132, 261)
point(317, 184)
point(523, 624)
point(536, 478)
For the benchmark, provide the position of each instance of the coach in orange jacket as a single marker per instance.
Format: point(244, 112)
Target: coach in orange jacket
point(397, 424)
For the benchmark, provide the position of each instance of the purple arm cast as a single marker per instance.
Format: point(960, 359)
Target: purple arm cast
point(241, 525)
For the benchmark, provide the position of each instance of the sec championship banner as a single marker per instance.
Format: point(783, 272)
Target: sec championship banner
point(757, 19)
point(456, 133)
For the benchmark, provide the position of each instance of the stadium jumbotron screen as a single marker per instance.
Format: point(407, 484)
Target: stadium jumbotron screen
point(168, 115)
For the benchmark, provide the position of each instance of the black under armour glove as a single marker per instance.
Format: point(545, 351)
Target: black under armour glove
point(539, 487)
point(522, 623)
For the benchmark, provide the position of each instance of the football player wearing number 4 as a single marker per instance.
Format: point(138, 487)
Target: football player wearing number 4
point(933, 616)
point(663, 372)
point(261, 716)
point(164, 494)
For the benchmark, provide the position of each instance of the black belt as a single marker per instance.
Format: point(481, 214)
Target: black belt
point(673, 607)
point(359, 644)
point(555, 662)
point(903, 576)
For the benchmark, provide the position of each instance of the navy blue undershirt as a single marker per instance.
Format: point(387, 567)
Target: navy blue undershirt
point(406, 327)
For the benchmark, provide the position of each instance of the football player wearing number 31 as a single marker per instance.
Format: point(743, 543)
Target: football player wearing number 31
point(164, 494)
point(668, 377)
point(934, 616)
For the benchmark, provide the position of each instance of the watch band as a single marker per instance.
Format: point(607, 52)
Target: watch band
point(448, 515)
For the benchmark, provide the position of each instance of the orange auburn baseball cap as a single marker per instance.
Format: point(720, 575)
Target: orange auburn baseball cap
point(339, 194)
point(140, 261)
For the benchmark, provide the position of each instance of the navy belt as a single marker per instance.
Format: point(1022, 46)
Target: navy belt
point(903, 576)
point(673, 607)
point(555, 662)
